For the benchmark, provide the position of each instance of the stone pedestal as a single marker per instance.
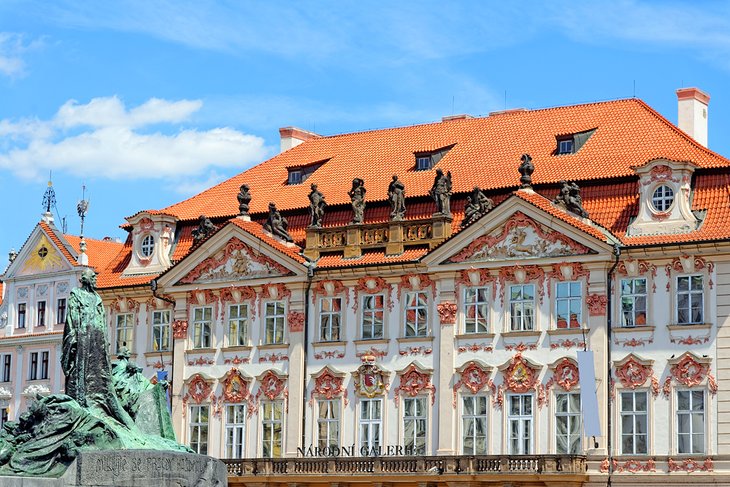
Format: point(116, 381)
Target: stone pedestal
point(133, 468)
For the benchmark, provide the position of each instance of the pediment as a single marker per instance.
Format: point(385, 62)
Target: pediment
point(520, 237)
point(39, 255)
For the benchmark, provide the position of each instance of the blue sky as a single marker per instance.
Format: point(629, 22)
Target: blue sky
point(147, 103)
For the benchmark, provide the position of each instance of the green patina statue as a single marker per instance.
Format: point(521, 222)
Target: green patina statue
point(106, 406)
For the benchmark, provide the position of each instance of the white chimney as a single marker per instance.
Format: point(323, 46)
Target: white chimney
point(293, 136)
point(692, 113)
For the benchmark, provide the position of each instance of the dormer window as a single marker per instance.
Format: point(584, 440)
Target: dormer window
point(299, 174)
point(662, 198)
point(423, 163)
point(572, 143)
point(565, 146)
point(147, 246)
point(295, 176)
point(427, 160)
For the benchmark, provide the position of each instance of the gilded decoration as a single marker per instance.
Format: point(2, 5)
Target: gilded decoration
point(369, 380)
point(373, 285)
point(295, 319)
point(519, 375)
point(414, 382)
point(180, 328)
point(596, 304)
point(688, 264)
point(235, 261)
point(447, 312)
point(474, 377)
point(522, 274)
point(43, 258)
point(566, 374)
point(328, 385)
point(521, 237)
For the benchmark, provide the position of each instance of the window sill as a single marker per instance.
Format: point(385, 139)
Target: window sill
point(475, 335)
point(371, 341)
point(516, 334)
point(200, 350)
point(272, 346)
point(633, 329)
point(237, 348)
point(567, 331)
point(328, 344)
point(164, 353)
point(693, 326)
point(414, 339)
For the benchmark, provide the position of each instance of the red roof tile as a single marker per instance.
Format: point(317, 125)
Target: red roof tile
point(253, 228)
point(56, 238)
point(372, 257)
point(100, 252)
point(111, 276)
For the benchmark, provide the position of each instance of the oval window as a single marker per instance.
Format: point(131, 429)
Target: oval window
point(662, 198)
point(148, 245)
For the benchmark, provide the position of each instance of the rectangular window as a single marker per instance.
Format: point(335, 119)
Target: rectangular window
point(567, 424)
point(373, 312)
point(275, 318)
point(328, 423)
point(44, 365)
point(423, 163)
point(568, 304)
point(3, 416)
point(41, 309)
point(476, 310)
point(519, 424)
point(295, 177)
point(416, 314)
point(21, 315)
point(199, 429)
point(235, 430)
point(414, 425)
point(633, 302)
point(125, 327)
point(61, 311)
point(237, 325)
point(565, 146)
point(371, 426)
point(690, 422)
point(271, 426)
point(33, 366)
point(522, 307)
point(202, 321)
point(7, 362)
point(634, 423)
point(689, 300)
point(161, 330)
point(474, 425)
point(330, 318)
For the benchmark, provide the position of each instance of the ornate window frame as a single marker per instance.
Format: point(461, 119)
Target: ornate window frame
point(417, 283)
point(688, 265)
point(634, 374)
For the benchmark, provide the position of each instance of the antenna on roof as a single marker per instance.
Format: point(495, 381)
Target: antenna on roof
point(634, 88)
point(82, 208)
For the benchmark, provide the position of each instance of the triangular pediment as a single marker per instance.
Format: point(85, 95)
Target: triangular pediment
point(39, 255)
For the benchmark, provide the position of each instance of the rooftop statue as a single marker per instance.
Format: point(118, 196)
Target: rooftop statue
point(477, 205)
point(357, 196)
point(99, 408)
point(316, 206)
point(397, 197)
point(205, 228)
point(277, 224)
point(244, 198)
point(569, 198)
point(441, 193)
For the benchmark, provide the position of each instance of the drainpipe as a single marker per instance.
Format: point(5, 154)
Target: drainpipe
point(609, 323)
point(311, 266)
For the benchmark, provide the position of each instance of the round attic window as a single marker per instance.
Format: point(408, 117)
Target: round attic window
point(662, 198)
point(42, 252)
point(147, 246)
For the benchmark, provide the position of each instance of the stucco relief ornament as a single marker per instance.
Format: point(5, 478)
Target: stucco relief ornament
point(180, 329)
point(566, 374)
point(5, 394)
point(519, 376)
point(413, 382)
point(296, 321)
point(272, 386)
point(688, 371)
point(198, 389)
point(328, 386)
point(447, 312)
point(596, 304)
point(3, 316)
point(373, 285)
point(369, 380)
point(633, 374)
point(473, 377)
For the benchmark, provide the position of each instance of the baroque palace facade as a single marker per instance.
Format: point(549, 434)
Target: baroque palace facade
point(409, 306)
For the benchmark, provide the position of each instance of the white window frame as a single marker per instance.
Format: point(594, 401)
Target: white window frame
point(24, 314)
point(147, 246)
point(241, 321)
point(475, 304)
point(368, 316)
point(692, 295)
point(328, 425)
point(572, 301)
point(691, 412)
point(475, 417)
point(202, 327)
point(270, 421)
point(571, 417)
point(327, 331)
point(636, 415)
point(235, 431)
point(633, 296)
point(123, 331)
point(420, 425)
point(664, 199)
point(420, 328)
point(525, 425)
point(161, 329)
point(521, 305)
point(198, 429)
point(277, 321)
point(41, 313)
point(34, 365)
point(367, 426)
point(424, 163)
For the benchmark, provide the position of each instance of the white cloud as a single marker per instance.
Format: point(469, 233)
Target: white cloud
point(105, 139)
point(12, 48)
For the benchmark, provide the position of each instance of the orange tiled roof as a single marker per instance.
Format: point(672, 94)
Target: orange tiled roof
point(100, 252)
point(372, 257)
point(257, 231)
point(59, 240)
point(111, 275)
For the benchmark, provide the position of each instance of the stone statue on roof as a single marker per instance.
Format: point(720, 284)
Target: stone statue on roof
point(357, 196)
point(441, 193)
point(244, 198)
point(277, 224)
point(526, 169)
point(570, 199)
point(205, 228)
point(476, 207)
point(317, 205)
point(397, 197)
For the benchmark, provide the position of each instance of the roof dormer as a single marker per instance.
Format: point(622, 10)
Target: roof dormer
point(152, 238)
point(664, 199)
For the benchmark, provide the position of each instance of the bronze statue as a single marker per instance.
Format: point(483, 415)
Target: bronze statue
point(570, 199)
point(441, 193)
point(316, 206)
point(526, 169)
point(205, 228)
point(397, 197)
point(476, 207)
point(357, 196)
point(277, 224)
point(244, 198)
